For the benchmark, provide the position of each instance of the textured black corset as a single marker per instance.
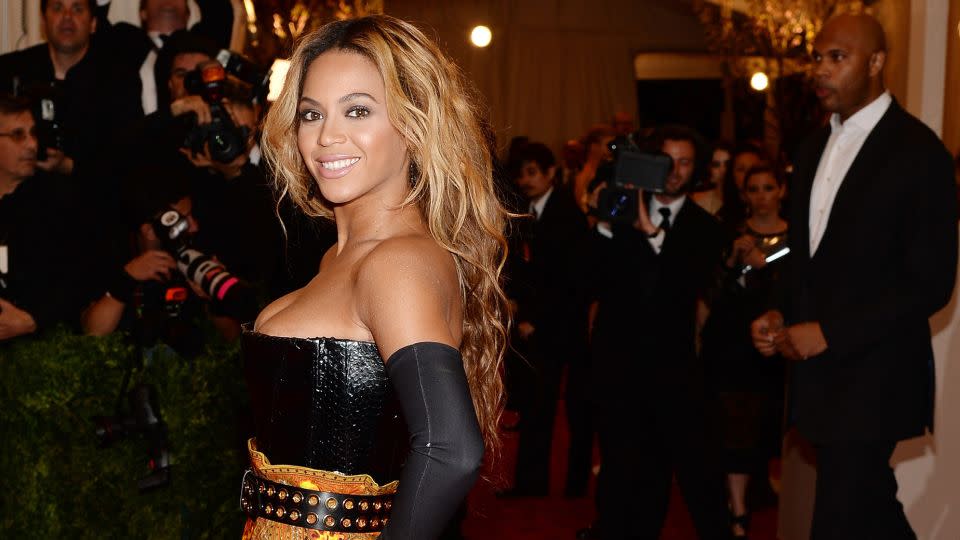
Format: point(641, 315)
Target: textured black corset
point(324, 403)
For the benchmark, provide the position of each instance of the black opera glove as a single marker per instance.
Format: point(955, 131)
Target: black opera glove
point(446, 446)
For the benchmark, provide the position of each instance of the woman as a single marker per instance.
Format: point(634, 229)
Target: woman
point(744, 157)
point(378, 130)
point(749, 386)
point(711, 198)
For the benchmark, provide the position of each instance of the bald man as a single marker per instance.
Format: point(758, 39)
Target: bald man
point(873, 255)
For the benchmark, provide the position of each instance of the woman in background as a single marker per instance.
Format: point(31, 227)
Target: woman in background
point(749, 386)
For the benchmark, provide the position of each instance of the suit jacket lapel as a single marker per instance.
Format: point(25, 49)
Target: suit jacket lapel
point(802, 186)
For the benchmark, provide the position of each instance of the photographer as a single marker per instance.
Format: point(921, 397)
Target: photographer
point(650, 274)
point(33, 213)
point(155, 293)
point(78, 99)
point(207, 133)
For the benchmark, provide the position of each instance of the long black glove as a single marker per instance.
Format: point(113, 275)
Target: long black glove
point(446, 447)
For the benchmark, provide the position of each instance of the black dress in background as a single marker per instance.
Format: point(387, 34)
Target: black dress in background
point(748, 386)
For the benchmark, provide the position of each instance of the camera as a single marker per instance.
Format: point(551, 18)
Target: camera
point(229, 294)
point(47, 100)
point(225, 140)
point(630, 170)
point(243, 69)
point(143, 418)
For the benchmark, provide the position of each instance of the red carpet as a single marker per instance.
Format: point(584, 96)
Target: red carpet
point(557, 518)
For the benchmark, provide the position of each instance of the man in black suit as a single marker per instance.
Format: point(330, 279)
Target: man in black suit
point(648, 384)
point(874, 255)
point(547, 284)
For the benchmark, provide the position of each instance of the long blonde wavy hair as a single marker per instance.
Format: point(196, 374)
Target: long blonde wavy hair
point(436, 110)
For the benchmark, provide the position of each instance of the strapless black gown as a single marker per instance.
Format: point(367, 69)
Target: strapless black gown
point(324, 403)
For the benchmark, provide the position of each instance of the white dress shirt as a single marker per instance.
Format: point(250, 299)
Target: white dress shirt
point(148, 94)
point(536, 206)
point(656, 218)
point(656, 242)
point(842, 147)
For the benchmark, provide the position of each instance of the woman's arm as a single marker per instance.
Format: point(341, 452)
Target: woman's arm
point(408, 297)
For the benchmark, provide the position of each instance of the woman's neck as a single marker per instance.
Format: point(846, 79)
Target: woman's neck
point(359, 222)
point(766, 223)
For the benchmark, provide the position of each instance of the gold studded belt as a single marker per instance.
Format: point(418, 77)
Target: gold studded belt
point(320, 510)
point(282, 498)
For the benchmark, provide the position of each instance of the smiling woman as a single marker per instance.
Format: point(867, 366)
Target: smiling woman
point(378, 130)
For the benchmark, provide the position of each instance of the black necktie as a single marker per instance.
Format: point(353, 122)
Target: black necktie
point(665, 223)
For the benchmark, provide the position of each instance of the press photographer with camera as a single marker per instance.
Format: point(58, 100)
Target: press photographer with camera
point(34, 210)
point(655, 255)
point(207, 133)
point(166, 284)
point(77, 98)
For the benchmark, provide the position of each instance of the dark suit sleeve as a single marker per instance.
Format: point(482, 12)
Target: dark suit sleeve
point(928, 266)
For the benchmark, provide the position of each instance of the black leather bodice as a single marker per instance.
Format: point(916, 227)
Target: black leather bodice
point(324, 403)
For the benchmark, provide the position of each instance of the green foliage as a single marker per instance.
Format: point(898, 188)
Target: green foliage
point(58, 483)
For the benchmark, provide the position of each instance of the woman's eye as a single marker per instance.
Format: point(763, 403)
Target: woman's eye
point(310, 115)
point(358, 112)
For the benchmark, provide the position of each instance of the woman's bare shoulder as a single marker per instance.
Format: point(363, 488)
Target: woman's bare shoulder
point(407, 291)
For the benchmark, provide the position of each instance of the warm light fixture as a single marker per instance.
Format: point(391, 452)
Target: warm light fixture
point(251, 16)
point(759, 81)
point(278, 73)
point(480, 36)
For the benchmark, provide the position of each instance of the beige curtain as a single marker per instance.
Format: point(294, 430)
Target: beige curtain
point(555, 67)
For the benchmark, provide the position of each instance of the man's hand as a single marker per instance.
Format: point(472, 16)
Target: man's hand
point(643, 223)
point(801, 341)
point(153, 264)
point(14, 321)
point(194, 104)
point(765, 331)
point(204, 161)
point(57, 162)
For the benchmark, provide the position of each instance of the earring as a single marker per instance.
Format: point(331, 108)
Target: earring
point(312, 192)
point(414, 173)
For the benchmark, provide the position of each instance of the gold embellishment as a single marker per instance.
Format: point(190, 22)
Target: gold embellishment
point(282, 494)
point(294, 515)
point(296, 497)
point(313, 500)
point(329, 521)
point(348, 504)
point(312, 519)
point(346, 523)
point(331, 503)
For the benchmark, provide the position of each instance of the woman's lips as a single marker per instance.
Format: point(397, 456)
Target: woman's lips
point(335, 167)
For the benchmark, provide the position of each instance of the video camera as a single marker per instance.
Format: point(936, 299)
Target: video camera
point(229, 294)
point(630, 170)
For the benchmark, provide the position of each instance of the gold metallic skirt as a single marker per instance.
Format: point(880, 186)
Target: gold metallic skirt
point(313, 479)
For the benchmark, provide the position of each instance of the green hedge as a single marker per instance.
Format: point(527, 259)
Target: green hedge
point(56, 482)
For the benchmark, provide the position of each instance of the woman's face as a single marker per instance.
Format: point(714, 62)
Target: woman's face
point(762, 194)
point(718, 166)
point(345, 136)
point(741, 164)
